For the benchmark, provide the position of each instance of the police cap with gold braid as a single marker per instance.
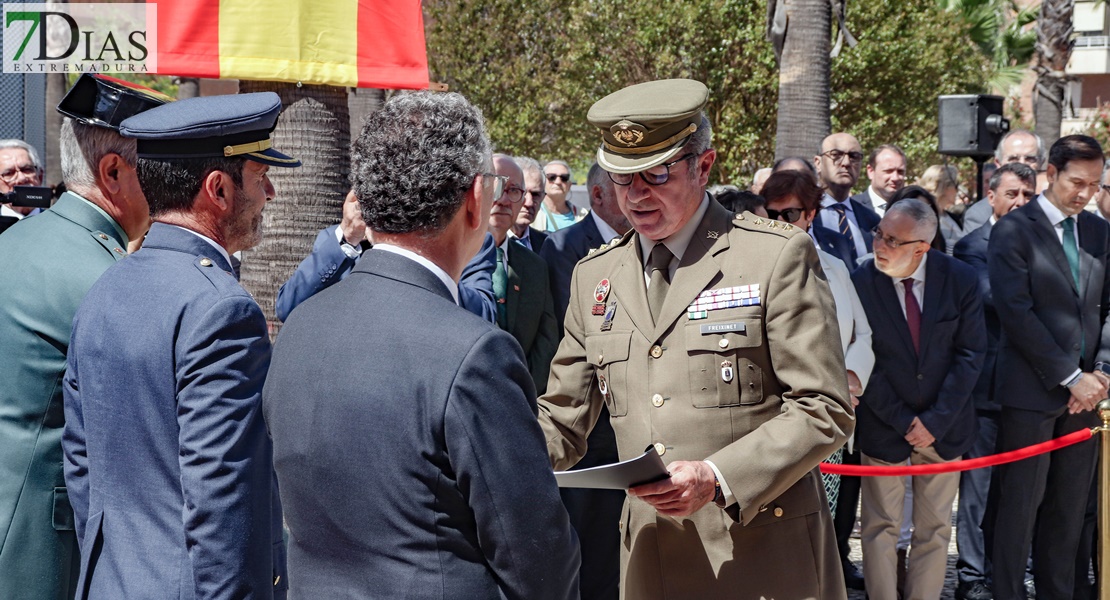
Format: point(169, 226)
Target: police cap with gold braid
point(210, 127)
point(646, 124)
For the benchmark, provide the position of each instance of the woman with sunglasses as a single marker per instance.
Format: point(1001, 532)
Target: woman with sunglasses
point(793, 197)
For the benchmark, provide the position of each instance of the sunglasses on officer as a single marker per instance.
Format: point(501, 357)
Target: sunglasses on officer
point(564, 177)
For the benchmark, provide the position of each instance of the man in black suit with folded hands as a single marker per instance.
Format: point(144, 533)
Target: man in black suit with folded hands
point(1010, 187)
point(1051, 287)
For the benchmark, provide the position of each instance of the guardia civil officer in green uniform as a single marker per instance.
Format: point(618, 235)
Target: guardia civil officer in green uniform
point(710, 336)
point(50, 262)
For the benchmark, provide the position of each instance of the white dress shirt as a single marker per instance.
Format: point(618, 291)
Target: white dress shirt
point(918, 277)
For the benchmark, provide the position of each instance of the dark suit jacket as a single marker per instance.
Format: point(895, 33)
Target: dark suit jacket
point(1046, 321)
point(835, 243)
point(530, 312)
point(51, 262)
point(167, 458)
point(934, 385)
point(972, 249)
point(866, 218)
point(563, 250)
point(419, 470)
point(327, 265)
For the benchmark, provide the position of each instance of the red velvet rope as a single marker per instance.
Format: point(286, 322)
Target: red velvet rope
point(961, 465)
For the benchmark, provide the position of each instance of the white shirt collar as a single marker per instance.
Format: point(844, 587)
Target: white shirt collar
point(451, 284)
point(876, 199)
point(918, 273)
point(1055, 215)
point(679, 240)
point(607, 232)
point(210, 241)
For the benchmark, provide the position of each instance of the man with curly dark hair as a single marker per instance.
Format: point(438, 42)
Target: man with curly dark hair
point(417, 469)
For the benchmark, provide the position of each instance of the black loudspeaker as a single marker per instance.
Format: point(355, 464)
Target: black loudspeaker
point(970, 125)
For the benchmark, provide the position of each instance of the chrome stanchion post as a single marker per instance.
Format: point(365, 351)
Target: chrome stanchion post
point(1104, 502)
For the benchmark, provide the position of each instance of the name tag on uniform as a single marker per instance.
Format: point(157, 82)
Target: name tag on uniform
point(737, 327)
point(729, 297)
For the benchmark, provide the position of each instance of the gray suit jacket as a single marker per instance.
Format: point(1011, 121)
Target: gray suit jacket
point(53, 259)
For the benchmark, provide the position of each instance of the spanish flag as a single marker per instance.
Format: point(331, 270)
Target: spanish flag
point(352, 43)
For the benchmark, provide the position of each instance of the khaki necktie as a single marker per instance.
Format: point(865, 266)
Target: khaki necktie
point(660, 278)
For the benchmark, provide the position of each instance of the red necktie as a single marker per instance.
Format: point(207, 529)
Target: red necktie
point(913, 314)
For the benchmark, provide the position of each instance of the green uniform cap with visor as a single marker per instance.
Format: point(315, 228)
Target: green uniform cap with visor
point(647, 124)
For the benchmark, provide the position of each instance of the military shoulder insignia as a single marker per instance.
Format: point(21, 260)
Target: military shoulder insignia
point(766, 225)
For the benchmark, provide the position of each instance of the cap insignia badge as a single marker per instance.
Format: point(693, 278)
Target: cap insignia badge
point(628, 133)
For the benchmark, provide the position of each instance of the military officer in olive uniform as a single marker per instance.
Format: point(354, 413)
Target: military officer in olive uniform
point(710, 336)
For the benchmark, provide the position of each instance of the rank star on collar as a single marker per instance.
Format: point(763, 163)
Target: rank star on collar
point(712, 235)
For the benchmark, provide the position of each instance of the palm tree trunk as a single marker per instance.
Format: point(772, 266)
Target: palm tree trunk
point(803, 107)
point(1054, 29)
point(56, 88)
point(314, 127)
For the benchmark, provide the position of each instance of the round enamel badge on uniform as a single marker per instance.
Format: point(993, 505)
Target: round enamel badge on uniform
point(601, 292)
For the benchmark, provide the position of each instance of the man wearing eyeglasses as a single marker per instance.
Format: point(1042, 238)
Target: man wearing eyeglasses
point(19, 165)
point(532, 238)
point(929, 341)
point(1017, 146)
point(1049, 264)
point(557, 212)
point(1102, 203)
point(711, 339)
point(838, 167)
point(525, 307)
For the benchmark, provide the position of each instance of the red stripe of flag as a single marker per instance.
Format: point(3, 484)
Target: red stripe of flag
point(391, 51)
point(189, 38)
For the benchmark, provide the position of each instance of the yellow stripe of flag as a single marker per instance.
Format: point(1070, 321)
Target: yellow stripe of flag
point(290, 40)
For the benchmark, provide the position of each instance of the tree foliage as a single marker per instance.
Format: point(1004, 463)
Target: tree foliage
point(534, 68)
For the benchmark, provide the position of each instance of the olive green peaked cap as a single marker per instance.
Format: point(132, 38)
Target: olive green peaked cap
point(646, 124)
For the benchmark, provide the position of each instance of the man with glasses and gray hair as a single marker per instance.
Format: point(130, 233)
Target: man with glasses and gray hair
point(525, 307)
point(419, 470)
point(1017, 146)
point(532, 238)
point(19, 165)
point(929, 341)
point(711, 339)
